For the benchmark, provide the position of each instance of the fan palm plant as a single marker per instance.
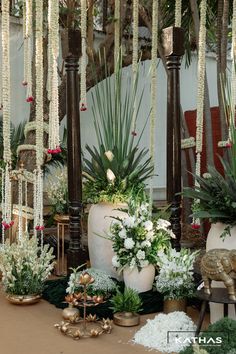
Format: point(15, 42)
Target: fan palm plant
point(215, 195)
point(117, 168)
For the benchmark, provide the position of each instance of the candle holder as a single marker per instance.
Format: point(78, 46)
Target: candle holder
point(85, 326)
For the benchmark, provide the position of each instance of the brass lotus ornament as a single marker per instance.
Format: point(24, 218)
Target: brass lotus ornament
point(78, 327)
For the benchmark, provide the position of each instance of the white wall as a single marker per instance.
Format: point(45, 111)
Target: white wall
point(20, 109)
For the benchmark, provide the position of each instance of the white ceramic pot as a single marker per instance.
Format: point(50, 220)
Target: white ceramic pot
point(100, 248)
point(141, 281)
point(215, 241)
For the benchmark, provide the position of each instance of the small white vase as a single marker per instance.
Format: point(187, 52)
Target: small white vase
point(141, 281)
point(215, 241)
point(100, 248)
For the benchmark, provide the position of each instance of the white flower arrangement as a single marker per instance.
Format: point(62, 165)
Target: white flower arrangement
point(175, 278)
point(25, 266)
point(102, 285)
point(137, 239)
point(154, 335)
point(57, 191)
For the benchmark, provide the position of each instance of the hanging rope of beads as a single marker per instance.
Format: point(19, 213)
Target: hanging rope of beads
point(153, 89)
point(200, 95)
point(53, 54)
point(83, 60)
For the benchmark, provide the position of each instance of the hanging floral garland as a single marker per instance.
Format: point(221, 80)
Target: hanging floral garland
point(53, 53)
point(38, 185)
point(83, 61)
point(135, 38)
point(6, 102)
point(153, 88)
point(178, 13)
point(233, 70)
point(27, 32)
point(117, 33)
point(200, 95)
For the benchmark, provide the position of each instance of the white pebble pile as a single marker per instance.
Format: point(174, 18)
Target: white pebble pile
point(154, 334)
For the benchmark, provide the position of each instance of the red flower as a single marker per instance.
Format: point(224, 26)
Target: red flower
point(83, 107)
point(228, 145)
point(24, 83)
point(195, 226)
point(134, 133)
point(49, 151)
point(30, 99)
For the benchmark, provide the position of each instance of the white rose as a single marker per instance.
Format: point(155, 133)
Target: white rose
point(109, 155)
point(122, 233)
point(141, 254)
point(115, 262)
point(129, 243)
point(129, 221)
point(110, 176)
point(148, 225)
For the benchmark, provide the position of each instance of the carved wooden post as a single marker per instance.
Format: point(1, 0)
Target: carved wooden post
point(173, 42)
point(71, 53)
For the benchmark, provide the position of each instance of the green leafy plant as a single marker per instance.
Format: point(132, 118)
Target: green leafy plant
point(137, 238)
point(129, 301)
point(175, 278)
point(117, 169)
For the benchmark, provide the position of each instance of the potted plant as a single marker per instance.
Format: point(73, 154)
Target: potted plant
point(25, 266)
point(136, 240)
point(215, 199)
point(117, 169)
point(175, 279)
point(125, 307)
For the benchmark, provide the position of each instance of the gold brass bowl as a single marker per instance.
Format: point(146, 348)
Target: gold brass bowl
point(23, 299)
point(126, 319)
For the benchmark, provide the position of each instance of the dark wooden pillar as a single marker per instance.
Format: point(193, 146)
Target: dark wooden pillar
point(75, 254)
point(173, 42)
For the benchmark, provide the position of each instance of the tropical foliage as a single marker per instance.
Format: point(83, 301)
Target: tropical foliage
point(117, 169)
point(129, 301)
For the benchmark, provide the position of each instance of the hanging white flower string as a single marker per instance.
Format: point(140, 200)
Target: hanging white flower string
point(116, 33)
point(28, 50)
point(53, 53)
point(83, 61)
point(38, 190)
point(3, 206)
point(20, 203)
point(6, 101)
point(26, 206)
point(135, 60)
point(178, 13)
point(233, 71)
point(135, 38)
point(153, 90)
point(200, 96)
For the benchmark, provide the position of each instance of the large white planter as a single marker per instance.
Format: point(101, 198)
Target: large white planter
point(141, 281)
point(100, 248)
point(215, 241)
